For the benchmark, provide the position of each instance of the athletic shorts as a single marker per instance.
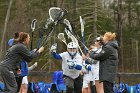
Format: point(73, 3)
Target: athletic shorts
point(94, 73)
point(86, 80)
point(91, 76)
point(25, 80)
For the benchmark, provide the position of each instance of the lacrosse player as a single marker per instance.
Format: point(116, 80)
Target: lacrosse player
point(71, 66)
point(95, 72)
point(86, 78)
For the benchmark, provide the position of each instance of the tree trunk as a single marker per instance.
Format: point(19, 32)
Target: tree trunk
point(138, 16)
point(120, 39)
point(94, 18)
point(3, 43)
point(74, 12)
point(129, 14)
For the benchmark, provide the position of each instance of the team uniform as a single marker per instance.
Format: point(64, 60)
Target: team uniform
point(86, 75)
point(71, 66)
point(94, 74)
point(25, 71)
point(67, 70)
point(71, 74)
point(91, 75)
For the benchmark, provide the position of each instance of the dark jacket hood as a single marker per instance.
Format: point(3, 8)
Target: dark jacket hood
point(113, 44)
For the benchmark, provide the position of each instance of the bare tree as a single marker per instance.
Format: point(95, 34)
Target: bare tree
point(3, 43)
point(129, 13)
point(119, 32)
point(94, 18)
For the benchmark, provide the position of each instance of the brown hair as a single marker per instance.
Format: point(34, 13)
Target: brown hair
point(22, 36)
point(16, 36)
point(110, 35)
point(100, 40)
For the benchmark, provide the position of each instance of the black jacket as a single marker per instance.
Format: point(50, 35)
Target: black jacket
point(108, 58)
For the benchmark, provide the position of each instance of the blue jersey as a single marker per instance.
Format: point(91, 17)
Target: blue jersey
point(24, 68)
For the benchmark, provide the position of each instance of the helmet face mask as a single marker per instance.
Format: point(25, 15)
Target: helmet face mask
point(72, 51)
point(72, 48)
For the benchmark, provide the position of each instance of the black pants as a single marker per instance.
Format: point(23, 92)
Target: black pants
point(19, 81)
point(77, 85)
point(108, 87)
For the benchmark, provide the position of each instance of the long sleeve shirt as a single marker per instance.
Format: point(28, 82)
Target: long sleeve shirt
point(15, 54)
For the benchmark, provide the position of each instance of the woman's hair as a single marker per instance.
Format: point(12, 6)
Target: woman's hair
point(99, 39)
point(110, 35)
point(22, 36)
point(16, 35)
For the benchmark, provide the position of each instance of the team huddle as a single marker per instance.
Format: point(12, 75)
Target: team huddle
point(80, 71)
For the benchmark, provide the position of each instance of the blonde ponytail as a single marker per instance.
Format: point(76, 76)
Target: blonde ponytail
point(113, 36)
point(110, 36)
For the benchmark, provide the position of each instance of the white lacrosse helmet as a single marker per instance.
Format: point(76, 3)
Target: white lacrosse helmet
point(72, 45)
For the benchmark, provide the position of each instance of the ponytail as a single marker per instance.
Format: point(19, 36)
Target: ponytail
point(111, 36)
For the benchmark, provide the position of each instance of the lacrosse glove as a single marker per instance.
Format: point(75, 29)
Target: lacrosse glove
point(87, 67)
point(53, 48)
